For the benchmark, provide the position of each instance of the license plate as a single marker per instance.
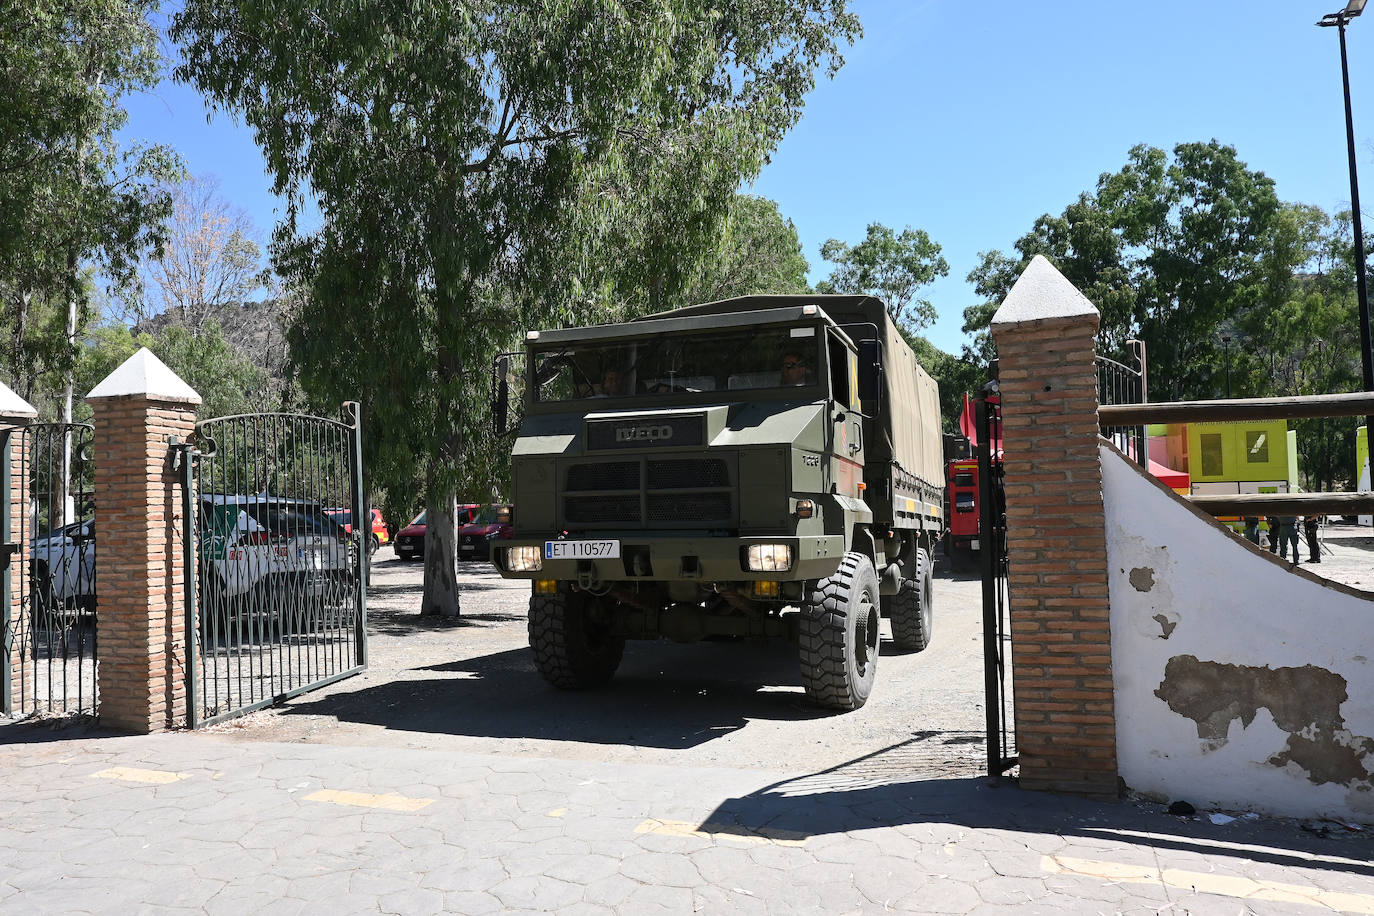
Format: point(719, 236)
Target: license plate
point(581, 550)
point(973, 544)
point(467, 548)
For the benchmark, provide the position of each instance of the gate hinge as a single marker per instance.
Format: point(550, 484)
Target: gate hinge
point(7, 550)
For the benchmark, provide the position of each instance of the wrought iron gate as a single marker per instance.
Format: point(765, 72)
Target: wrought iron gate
point(992, 501)
point(276, 591)
point(50, 641)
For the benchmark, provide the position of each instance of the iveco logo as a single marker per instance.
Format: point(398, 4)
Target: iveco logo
point(643, 433)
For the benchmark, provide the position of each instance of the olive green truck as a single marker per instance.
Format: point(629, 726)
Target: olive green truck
point(768, 466)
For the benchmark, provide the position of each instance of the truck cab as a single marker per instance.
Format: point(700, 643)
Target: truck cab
point(705, 473)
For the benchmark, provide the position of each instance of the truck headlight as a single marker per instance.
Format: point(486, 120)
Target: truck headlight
point(528, 558)
point(767, 557)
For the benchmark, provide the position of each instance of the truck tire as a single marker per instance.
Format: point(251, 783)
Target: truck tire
point(569, 649)
point(913, 608)
point(839, 635)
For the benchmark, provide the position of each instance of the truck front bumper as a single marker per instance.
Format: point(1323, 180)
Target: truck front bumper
point(676, 559)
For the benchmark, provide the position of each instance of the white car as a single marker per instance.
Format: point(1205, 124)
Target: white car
point(62, 567)
point(263, 555)
point(271, 552)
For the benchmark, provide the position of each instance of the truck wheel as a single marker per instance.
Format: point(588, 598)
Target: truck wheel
point(571, 650)
point(913, 608)
point(839, 635)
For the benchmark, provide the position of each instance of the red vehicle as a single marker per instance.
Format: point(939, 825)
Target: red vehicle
point(962, 492)
point(474, 538)
point(380, 533)
point(410, 541)
point(962, 487)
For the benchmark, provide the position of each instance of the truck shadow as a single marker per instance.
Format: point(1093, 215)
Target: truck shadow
point(664, 696)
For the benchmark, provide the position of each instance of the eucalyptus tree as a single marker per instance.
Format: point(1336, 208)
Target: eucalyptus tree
point(484, 166)
point(891, 266)
point(758, 252)
point(73, 203)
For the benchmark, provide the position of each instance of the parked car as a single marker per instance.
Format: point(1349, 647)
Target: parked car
point(62, 567)
point(380, 533)
point(260, 548)
point(410, 540)
point(263, 551)
point(492, 523)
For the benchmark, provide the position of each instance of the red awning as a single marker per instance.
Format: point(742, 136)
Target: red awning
point(1178, 480)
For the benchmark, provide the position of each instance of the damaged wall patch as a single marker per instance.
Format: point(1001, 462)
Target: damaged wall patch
point(1304, 702)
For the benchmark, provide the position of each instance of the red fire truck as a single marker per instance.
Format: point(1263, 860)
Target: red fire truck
point(962, 488)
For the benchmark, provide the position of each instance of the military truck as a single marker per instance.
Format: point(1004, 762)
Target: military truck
point(767, 466)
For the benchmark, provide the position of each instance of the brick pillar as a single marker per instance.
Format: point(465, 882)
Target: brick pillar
point(140, 571)
point(15, 414)
point(1061, 646)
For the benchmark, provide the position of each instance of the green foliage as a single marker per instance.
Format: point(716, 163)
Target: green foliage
point(70, 197)
point(1195, 254)
point(758, 253)
point(226, 380)
point(1169, 249)
point(490, 166)
point(890, 266)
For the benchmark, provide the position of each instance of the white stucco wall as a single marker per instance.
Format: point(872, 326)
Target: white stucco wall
point(1256, 648)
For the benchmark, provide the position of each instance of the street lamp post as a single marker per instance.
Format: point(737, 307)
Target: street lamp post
point(1226, 342)
point(1339, 20)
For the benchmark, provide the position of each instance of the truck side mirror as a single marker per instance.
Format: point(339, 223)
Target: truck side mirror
point(871, 373)
point(500, 401)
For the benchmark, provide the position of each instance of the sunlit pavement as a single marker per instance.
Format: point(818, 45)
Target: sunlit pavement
point(191, 822)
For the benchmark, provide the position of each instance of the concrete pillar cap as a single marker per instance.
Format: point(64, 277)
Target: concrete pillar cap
point(143, 375)
point(1042, 295)
point(13, 407)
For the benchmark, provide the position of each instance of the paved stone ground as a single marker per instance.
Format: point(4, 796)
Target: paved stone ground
point(192, 823)
point(447, 779)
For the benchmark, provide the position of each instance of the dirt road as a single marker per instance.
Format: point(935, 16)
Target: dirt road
point(470, 685)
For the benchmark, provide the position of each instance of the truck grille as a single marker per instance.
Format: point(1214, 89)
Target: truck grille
point(650, 492)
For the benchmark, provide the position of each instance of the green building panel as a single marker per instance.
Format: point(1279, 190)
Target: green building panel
point(1240, 451)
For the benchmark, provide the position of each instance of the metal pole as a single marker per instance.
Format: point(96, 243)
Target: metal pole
point(11, 550)
point(992, 644)
point(190, 580)
point(1366, 360)
point(353, 412)
point(1226, 341)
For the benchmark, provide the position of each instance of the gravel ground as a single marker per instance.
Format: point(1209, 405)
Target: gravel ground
point(470, 685)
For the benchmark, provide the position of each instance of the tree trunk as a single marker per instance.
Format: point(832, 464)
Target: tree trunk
point(441, 557)
point(64, 482)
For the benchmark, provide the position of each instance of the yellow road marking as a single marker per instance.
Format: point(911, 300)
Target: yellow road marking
point(130, 774)
point(364, 800)
point(1205, 883)
point(711, 831)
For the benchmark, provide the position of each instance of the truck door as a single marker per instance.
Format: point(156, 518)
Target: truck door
point(847, 418)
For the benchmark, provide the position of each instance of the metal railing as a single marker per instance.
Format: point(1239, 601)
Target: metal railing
point(1119, 384)
point(1357, 404)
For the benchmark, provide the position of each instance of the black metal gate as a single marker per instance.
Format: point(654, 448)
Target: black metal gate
point(1001, 735)
point(50, 642)
point(276, 591)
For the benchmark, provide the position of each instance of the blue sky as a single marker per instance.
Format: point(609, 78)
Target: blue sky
point(971, 120)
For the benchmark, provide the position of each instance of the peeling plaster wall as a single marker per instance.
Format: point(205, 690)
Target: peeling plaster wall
point(1239, 683)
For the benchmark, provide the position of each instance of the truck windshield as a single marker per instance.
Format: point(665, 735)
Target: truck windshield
point(773, 357)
